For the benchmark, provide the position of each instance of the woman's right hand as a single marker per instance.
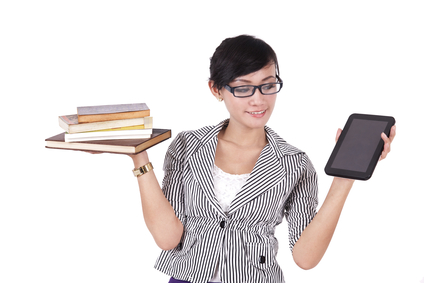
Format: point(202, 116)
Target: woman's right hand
point(141, 158)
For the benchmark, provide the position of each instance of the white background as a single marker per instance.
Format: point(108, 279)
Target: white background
point(69, 216)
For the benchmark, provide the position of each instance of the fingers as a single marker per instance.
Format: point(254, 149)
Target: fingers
point(387, 142)
point(386, 148)
point(392, 133)
point(94, 152)
point(339, 132)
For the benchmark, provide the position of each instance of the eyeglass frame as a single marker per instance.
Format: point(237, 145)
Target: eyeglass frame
point(231, 89)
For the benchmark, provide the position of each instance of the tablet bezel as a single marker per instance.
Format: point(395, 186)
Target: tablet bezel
point(350, 174)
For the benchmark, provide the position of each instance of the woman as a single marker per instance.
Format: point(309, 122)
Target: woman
point(226, 187)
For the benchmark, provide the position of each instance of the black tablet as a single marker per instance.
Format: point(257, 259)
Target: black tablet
point(359, 146)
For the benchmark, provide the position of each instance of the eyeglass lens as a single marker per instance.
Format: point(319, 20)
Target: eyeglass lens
point(270, 88)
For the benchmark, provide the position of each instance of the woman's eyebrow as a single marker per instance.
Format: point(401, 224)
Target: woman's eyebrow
point(248, 81)
point(242, 80)
point(267, 78)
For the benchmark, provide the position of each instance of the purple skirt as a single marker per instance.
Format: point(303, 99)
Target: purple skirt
point(173, 280)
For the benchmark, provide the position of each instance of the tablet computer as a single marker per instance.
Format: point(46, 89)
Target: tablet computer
point(359, 147)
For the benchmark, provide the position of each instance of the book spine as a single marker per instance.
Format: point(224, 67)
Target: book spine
point(68, 138)
point(138, 127)
point(111, 117)
point(109, 133)
point(109, 109)
point(70, 124)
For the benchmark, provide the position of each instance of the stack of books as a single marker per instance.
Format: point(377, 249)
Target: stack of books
point(119, 128)
point(105, 122)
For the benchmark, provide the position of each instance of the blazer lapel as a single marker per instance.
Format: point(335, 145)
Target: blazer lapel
point(267, 172)
point(265, 175)
point(201, 164)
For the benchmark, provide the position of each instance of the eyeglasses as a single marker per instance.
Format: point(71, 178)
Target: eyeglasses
point(249, 90)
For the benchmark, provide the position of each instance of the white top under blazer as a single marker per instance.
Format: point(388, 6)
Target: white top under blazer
point(282, 183)
point(226, 188)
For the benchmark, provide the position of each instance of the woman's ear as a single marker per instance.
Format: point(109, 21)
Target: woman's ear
point(215, 90)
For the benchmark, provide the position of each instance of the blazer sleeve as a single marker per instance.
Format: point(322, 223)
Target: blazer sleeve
point(173, 181)
point(301, 207)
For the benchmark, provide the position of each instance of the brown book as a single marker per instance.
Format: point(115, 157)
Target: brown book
point(101, 113)
point(127, 146)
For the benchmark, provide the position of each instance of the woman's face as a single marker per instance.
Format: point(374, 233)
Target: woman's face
point(254, 111)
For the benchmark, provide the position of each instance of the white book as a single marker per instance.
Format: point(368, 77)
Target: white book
point(109, 135)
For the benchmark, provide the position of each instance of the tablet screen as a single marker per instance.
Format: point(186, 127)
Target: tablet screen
point(356, 152)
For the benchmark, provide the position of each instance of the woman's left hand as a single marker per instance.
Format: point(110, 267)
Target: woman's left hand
point(387, 141)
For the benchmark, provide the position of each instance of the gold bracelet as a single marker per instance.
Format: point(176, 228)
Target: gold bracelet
point(143, 169)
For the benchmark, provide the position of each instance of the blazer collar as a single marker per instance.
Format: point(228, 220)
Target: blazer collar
point(206, 134)
point(279, 145)
point(267, 172)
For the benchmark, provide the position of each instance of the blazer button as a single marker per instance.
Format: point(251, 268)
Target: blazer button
point(262, 259)
point(222, 224)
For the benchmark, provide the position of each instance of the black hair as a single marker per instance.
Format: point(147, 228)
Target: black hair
point(239, 56)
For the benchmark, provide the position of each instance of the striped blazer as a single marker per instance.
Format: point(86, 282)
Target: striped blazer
point(282, 183)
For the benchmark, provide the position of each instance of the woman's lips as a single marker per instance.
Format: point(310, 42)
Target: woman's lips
point(257, 114)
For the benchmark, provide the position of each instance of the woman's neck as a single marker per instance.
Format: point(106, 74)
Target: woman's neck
point(243, 137)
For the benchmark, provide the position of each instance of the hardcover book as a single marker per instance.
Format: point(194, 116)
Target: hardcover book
point(120, 146)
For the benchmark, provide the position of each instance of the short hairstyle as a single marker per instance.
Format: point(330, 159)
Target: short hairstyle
point(239, 56)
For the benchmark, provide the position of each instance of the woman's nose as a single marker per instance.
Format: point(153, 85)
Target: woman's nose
point(257, 97)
